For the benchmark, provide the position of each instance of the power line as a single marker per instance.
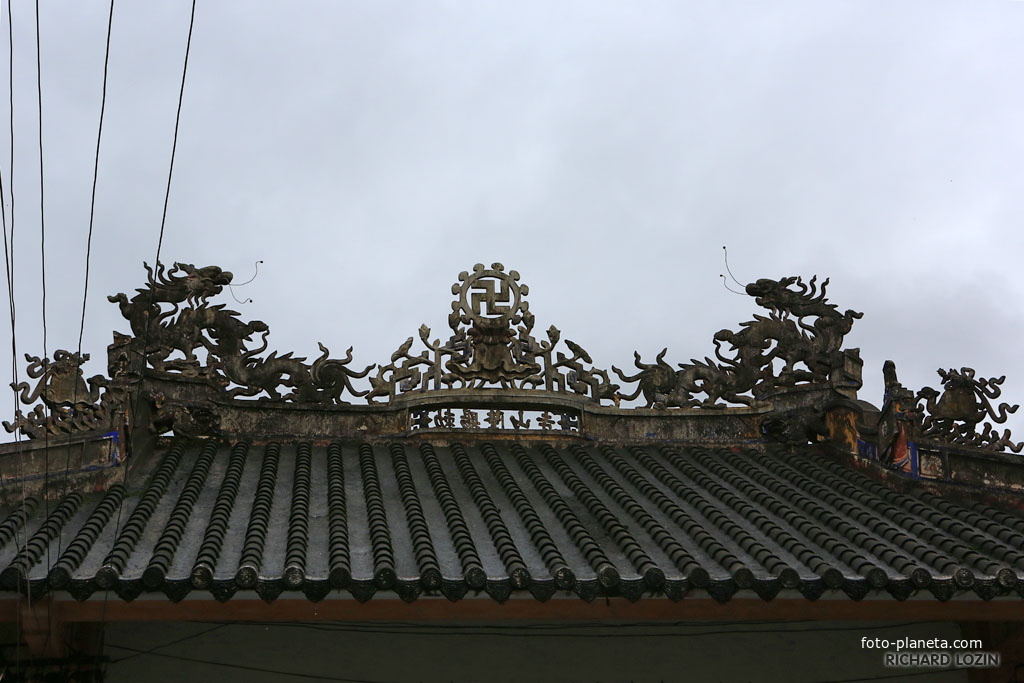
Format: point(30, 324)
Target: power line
point(174, 144)
point(562, 626)
point(159, 246)
point(9, 272)
point(88, 243)
point(95, 174)
point(173, 642)
point(532, 631)
point(42, 263)
point(152, 651)
point(42, 196)
point(243, 667)
point(152, 295)
point(10, 260)
point(903, 675)
point(8, 269)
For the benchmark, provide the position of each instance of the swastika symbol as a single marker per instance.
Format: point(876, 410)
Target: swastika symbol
point(482, 291)
point(489, 296)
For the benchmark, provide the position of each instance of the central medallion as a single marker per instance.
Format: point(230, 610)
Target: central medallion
point(491, 301)
point(490, 294)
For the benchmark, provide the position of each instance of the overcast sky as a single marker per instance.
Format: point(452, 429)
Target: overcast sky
point(368, 152)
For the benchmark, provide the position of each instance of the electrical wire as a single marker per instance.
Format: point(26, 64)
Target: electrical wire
point(177, 122)
point(860, 627)
point(884, 677)
point(10, 49)
point(159, 246)
point(10, 273)
point(173, 642)
point(276, 672)
point(42, 195)
point(525, 630)
point(88, 243)
point(46, 353)
point(458, 630)
point(550, 627)
point(156, 266)
point(95, 174)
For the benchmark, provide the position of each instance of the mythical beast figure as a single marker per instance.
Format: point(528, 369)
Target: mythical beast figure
point(155, 332)
point(192, 323)
point(803, 331)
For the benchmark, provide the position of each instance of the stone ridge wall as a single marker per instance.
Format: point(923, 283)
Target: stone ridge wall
point(83, 463)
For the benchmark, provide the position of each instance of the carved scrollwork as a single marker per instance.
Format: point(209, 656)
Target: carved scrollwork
point(486, 349)
point(68, 403)
point(799, 342)
point(183, 420)
point(953, 414)
point(491, 345)
point(177, 331)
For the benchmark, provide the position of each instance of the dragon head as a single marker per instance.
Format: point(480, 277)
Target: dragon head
point(203, 283)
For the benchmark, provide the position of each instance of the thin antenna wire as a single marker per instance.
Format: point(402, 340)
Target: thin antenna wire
point(241, 301)
point(243, 284)
point(725, 283)
point(725, 250)
point(231, 287)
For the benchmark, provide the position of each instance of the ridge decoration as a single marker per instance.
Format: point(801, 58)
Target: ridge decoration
point(803, 334)
point(486, 347)
point(68, 403)
point(953, 414)
point(177, 333)
point(191, 324)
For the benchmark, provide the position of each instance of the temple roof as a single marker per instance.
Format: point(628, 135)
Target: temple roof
point(493, 463)
point(497, 517)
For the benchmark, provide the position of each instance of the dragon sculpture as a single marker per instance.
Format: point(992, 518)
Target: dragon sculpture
point(803, 331)
point(189, 323)
point(156, 334)
point(177, 332)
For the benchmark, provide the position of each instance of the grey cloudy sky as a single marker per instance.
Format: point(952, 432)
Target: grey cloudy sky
point(368, 152)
